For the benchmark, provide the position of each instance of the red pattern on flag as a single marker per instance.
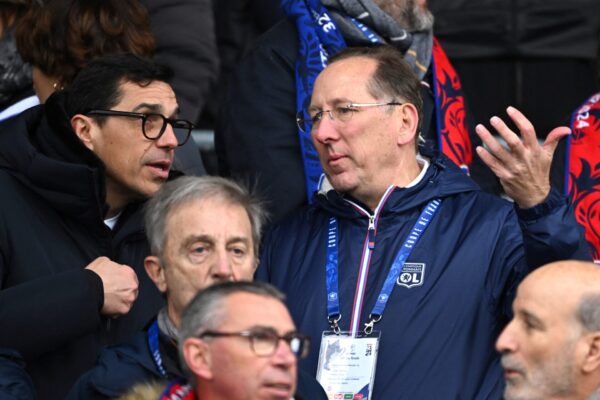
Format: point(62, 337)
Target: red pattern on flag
point(454, 139)
point(584, 170)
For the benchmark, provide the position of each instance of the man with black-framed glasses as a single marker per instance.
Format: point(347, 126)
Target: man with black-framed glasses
point(75, 173)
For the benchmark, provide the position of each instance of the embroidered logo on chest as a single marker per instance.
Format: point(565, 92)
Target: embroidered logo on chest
point(412, 275)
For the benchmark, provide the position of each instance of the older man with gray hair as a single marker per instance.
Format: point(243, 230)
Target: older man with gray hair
point(551, 348)
point(202, 230)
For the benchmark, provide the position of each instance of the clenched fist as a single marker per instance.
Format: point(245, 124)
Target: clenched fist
point(120, 285)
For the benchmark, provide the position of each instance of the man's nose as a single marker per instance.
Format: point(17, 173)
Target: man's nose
point(221, 269)
point(507, 341)
point(168, 139)
point(284, 355)
point(325, 130)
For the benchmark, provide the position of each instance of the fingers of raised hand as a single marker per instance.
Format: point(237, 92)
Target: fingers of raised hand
point(524, 126)
point(512, 140)
point(493, 145)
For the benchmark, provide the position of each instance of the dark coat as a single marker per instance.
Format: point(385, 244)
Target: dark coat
point(15, 383)
point(121, 367)
point(51, 227)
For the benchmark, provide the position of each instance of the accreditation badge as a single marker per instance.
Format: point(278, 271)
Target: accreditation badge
point(347, 365)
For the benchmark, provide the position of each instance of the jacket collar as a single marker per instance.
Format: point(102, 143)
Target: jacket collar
point(441, 179)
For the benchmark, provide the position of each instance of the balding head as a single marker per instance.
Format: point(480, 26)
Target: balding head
point(551, 348)
point(575, 284)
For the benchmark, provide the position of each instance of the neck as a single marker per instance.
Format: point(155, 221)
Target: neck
point(407, 171)
point(116, 199)
point(116, 203)
point(173, 315)
point(595, 395)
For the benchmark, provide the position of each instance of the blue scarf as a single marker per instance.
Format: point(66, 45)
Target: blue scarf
point(319, 38)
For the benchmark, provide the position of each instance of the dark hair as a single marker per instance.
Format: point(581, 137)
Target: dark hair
point(62, 36)
point(393, 77)
point(10, 13)
point(97, 86)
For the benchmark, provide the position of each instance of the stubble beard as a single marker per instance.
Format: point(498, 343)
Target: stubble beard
point(555, 378)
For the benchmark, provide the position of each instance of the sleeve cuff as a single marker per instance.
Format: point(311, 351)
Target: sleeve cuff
point(96, 287)
point(553, 201)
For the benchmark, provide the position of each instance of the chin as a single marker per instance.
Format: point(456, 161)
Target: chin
point(342, 183)
point(150, 189)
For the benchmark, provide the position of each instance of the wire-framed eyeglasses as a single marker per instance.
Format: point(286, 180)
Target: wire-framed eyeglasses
point(264, 342)
point(341, 113)
point(153, 124)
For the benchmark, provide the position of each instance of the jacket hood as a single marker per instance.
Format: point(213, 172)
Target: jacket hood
point(40, 149)
point(402, 199)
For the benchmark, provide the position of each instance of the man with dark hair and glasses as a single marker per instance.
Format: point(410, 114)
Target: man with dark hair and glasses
point(202, 231)
point(401, 255)
point(237, 341)
point(74, 174)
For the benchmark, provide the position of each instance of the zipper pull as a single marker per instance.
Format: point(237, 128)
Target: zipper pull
point(371, 232)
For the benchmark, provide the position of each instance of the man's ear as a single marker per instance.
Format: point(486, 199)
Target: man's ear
point(198, 358)
point(156, 272)
point(409, 122)
point(83, 127)
point(591, 360)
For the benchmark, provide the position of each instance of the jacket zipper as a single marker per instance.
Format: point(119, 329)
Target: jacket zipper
point(365, 261)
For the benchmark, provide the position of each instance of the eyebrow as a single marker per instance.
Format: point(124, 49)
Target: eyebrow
point(155, 108)
point(268, 328)
point(209, 239)
point(532, 318)
point(238, 239)
point(196, 238)
point(336, 102)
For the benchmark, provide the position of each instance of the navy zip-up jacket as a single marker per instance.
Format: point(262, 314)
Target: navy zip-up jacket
point(437, 331)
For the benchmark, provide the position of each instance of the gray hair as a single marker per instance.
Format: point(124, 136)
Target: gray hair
point(588, 312)
point(206, 310)
point(191, 188)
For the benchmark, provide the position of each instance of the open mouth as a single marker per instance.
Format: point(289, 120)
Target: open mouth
point(160, 168)
point(283, 390)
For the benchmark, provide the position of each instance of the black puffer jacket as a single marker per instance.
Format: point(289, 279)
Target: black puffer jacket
point(51, 227)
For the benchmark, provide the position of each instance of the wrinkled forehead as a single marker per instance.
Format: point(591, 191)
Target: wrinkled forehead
point(155, 96)
point(547, 297)
point(194, 220)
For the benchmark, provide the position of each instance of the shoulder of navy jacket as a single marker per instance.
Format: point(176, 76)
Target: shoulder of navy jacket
point(439, 162)
point(434, 156)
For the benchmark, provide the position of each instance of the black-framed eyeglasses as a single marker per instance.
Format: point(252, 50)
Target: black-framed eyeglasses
point(264, 342)
point(342, 113)
point(153, 124)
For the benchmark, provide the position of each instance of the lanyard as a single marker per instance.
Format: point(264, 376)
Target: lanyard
point(331, 268)
point(154, 350)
